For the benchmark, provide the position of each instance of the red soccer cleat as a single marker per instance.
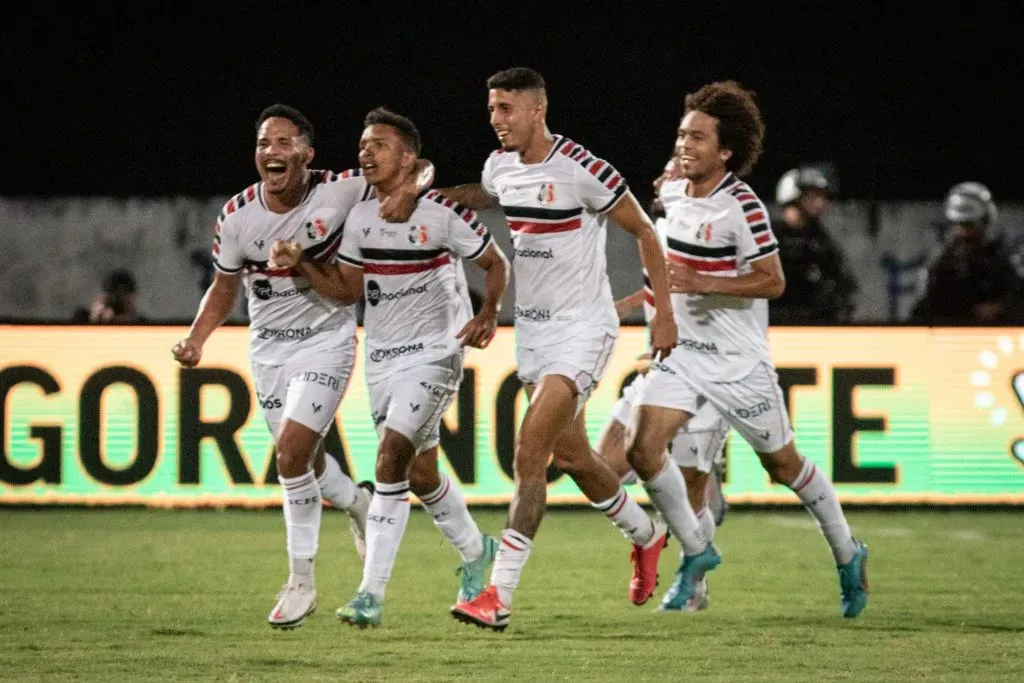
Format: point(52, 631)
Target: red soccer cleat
point(485, 610)
point(645, 565)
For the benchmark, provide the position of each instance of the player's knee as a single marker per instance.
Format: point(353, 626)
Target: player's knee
point(295, 450)
point(424, 478)
point(783, 465)
point(394, 457)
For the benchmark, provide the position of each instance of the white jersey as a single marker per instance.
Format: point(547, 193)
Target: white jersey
point(285, 315)
point(721, 338)
point(416, 292)
point(555, 213)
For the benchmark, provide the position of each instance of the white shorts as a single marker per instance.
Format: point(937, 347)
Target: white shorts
point(582, 358)
point(307, 389)
point(699, 444)
point(753, 406)
point(413, 400)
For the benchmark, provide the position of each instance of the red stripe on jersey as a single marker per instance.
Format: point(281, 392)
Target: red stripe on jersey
point(405, 268)
point(702, 266)
point(216, 249)
point(745, 196)
point(535, 228)
point(596, 168)
point(613, 183)
point(761, 239)
point(250, 193)
point(230, 208)
point(216, 228)
point(755, 217)
point(648, 298)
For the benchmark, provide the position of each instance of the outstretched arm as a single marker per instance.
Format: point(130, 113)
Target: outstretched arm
point(472, 195)
point(214, 309)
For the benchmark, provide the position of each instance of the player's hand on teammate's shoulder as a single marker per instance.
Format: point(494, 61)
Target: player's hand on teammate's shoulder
point(187, 352)
point(479, 331)
point(682, 279)
point(664, 335)
point(398, 207)
point(284, 254)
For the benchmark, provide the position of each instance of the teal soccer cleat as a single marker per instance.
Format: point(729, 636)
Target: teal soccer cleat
point(853, 582)
point(688, 578)
point(362, 611)
point(472, 573)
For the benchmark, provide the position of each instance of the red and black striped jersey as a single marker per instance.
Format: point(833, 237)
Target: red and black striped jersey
point(284, 311)
point(556, 213)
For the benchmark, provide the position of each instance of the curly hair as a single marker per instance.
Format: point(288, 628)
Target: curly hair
point(740, 126)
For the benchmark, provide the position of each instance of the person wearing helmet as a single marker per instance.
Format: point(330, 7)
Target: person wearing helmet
point(819, 287)
point(972, 282)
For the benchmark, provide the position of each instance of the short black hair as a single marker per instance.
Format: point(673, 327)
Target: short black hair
point(406, 128)
point(516, 78)
point(119, 281)
point(740, 126)
point(292, 114)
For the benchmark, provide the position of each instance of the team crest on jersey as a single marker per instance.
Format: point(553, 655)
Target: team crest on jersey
point(418, 234)
point(316, 229)
point(704, 232)
point(546, 194)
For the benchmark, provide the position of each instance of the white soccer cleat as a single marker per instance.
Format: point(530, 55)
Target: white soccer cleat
point(700, 600)
point(295, 602)
point(357, 514)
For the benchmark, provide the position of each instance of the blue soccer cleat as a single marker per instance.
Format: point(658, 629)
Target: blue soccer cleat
point(688, 579)
point(472, 573)
point(362, 611)
point(853, 582)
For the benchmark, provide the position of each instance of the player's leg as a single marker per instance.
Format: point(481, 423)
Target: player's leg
point(611, 442)
point(759, 415)
point(338, 489)
point(443, 501)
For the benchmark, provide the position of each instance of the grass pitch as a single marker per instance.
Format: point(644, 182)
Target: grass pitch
point(184, 595)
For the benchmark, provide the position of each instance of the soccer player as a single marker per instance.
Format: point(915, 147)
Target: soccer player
point(418, 320)
point(302, 345)
point(557, 198)
point(724, 257)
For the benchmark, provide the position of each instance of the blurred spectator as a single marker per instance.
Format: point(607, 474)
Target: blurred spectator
point(972, 281)
point(116, 303)
point(819, 286)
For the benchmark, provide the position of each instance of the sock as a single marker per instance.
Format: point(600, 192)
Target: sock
point(335, 486)
point(385, 525)
point(451, 517)
point(626, 513)
point(667, 490)
point(629, 478)
point(818, 496)
point(302, 509)
point(508, 565)
point(706, 520)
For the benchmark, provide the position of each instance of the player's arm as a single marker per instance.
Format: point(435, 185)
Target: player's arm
point(398, 207)
point(471, 195)
point(479, 331)
point(338, 281)
point(630, 217)
point(214, 309)
point(766, 281)
point(629, 303)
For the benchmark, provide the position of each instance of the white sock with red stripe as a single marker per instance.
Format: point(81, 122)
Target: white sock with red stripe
point(451, 517)
point(818, 496)
point(335, 486)
point(513, 552)
point(302, 508)
point(667, 490)
point(625, 513)
point(707, 523)
point(385, 525)
point(629, 478)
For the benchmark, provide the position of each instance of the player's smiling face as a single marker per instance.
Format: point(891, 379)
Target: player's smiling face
point(282, 156)
point(699, 154)
point(515, 115)
point(383, 155)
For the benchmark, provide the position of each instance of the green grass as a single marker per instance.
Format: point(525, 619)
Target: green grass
point(165, 595)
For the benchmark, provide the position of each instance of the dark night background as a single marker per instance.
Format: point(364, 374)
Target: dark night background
point(124, 99)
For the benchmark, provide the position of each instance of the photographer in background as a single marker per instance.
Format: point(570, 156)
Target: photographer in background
point(819, 286)
point(115, 304)
point(972, 281)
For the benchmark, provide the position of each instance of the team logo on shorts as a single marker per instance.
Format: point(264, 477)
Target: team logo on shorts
point(546, 195)
point(316, 229)
point(418, 234)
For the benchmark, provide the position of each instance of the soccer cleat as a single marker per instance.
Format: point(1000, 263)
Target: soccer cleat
point(688, 577)
point(357, 515)
point(700, 600)
point(472, 573)
point(363, 610)
point(295, 602)
point(485, 610)
point(853, 582)
point(714, 495)
point(645, 564)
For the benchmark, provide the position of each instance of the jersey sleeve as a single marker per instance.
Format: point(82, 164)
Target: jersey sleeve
point(597, 184)
point(467, 236)
point(487, 176)
point(755, 238)
point(227, 254)
point(350, 252)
